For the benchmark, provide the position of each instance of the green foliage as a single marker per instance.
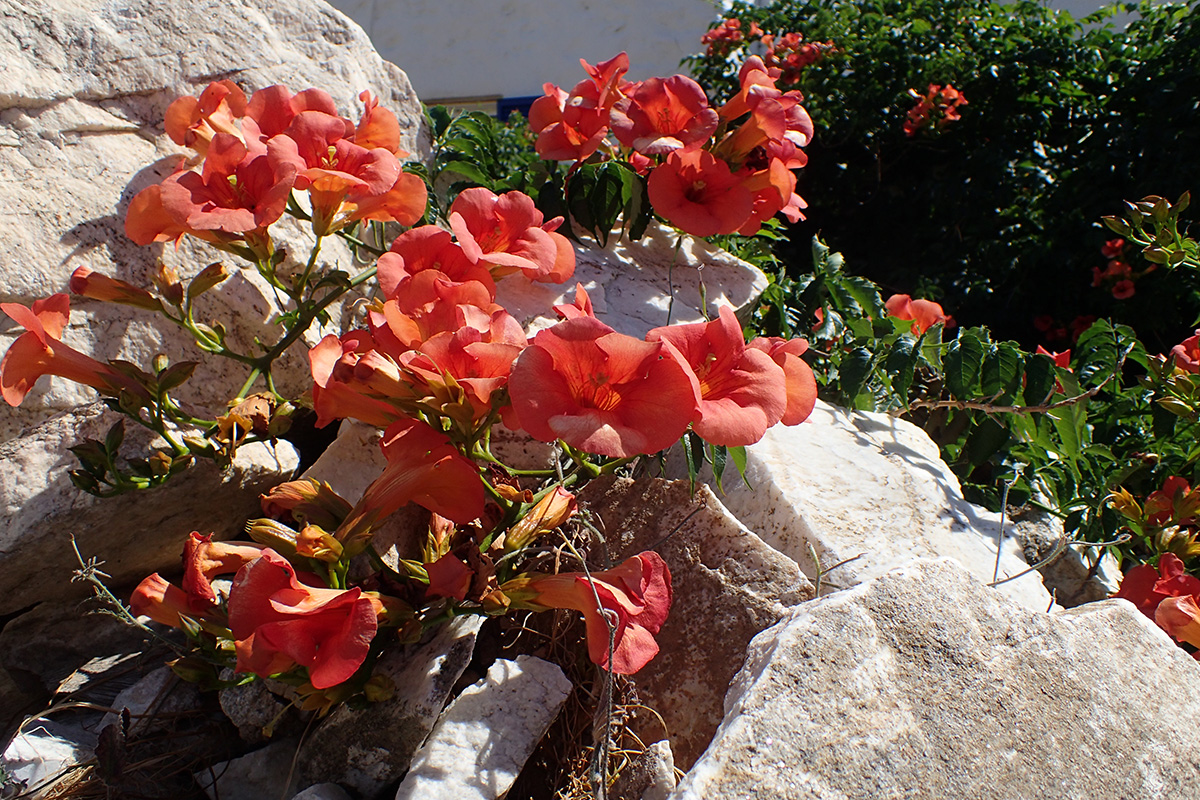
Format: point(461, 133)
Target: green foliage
point(1061, 438)
point(474, 149)
point(995, 214)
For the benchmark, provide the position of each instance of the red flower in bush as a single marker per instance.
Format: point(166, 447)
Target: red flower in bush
point(698, 194)
point(278, 622)
point(602, 391)
point(924, 313)
point(1173, 504)
point(1146, 587)
point(939, 106)
point(635, 596)
point(1187, 353)
point(742, 390)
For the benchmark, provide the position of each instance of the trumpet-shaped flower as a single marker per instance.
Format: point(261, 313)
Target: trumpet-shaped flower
point(923, 313)
point(664, 114)
point(742, 390)
point(193, 122)
point(1146, 587)
point(423, 467)
point(271, 110)
point(279, 622)
point(39, 351)
point(428, 248)
point(698, 194)
point(1180, 617)
point(86, 282)
point(801, 383)
point(1187, 354)
point(238, 191)
point(352, 380)
point(333, 169)
point(602, 391)
point(506, 232)
point(635, 598)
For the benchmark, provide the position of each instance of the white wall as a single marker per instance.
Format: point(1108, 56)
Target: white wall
point(462, 48)
point(509, 48)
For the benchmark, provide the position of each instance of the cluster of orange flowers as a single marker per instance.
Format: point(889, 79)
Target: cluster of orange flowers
point(709, 170)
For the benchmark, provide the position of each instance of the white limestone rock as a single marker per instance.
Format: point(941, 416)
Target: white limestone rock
point(1074, 574)
point(44, 751)
point(924, 683)
point(868, 487)
point(649, 775)
point(82, 96)
point(369, 749)
point(135, 533)
point(323, 791)
point(728, 586)
point(483, 739)
point(631, 284)
point(263, 773)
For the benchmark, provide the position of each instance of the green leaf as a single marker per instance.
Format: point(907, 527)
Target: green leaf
point(175, 375)
point(1040, 376)
point(693, 454)
point(964, 358)
point(469, 171)
point(1001, 370)
point(855, 369)
point(738, 456)
point(901, 363)
point(717, 454)
point(114, 437)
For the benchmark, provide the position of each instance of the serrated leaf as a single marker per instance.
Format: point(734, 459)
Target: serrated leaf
point(901, 363)
point(865, 294)
point(964, 359)
point(1040, 377)
point(931, 348)
point(1001, 370)
point(855, 368)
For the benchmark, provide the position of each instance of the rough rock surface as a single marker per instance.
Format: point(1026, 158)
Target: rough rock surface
point(632, 284)
point(135, 533)
point(485, 736)
point(263, 773)
point(728, 586)
point(868, 487)
point(82, 96)
point(1074, 574)
point(888, 690)
point(650, 775)
point(41, 752)
point(368, 749)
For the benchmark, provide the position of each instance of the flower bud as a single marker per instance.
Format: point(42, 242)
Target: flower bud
point(87, 283)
